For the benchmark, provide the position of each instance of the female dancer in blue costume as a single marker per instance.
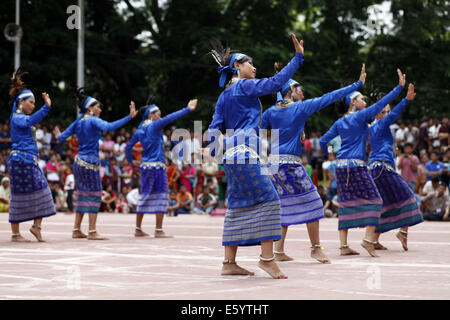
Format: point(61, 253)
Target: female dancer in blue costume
point(300, 202)
point(154, 184)
point(359, 200)
point(31, 198)
point(253, 215)
point(88, 129)
point(400, 209)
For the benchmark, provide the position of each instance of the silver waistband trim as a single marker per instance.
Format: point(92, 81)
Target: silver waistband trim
point(242, 148)
point(85, 164)
point(35, 159)
point(346, 162)
point(377, 163)
point(284, 159)
point(153, 164)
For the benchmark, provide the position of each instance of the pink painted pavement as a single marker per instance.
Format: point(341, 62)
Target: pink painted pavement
point(188, 265)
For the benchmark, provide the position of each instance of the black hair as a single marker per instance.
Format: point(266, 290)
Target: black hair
point(17, 84)
point(409, 144)
point(376, 95)
point(151, 99)
point(223, 56)
point(435, 180)
point(81, 97)
point(435, 152)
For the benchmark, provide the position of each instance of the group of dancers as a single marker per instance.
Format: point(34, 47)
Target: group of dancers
point(261, 205)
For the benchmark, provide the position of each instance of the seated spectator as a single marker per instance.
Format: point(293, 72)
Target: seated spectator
point(206, 202)
point(5, 138)
point(431, 186)
point(5, 195)
point(133, 200)
point(121, 204)
point(185, 200)
point(434, 168)
point(326, 202)
point(173, 205)
point(213, 187)
point(335, 204)
point(436, 204)
point(108, 200)
point(331, 177)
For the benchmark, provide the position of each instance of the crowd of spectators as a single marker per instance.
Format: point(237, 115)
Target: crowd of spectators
point(421, 149)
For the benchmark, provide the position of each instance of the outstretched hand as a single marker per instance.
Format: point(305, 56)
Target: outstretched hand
point(401, 78)
point(133, 111)
point(363, 75)
point(46, 98)
point(192, 104)
point(298, 45)
point(411, 94)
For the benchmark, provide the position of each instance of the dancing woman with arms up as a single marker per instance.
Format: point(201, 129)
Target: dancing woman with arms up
point(359, 200)
point(31, 198)
point(88, 129)
point(300, 202)
point(154, 196)
point(400, 209)
point(253, 215)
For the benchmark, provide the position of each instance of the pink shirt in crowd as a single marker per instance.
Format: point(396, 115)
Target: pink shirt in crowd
point(407, 172)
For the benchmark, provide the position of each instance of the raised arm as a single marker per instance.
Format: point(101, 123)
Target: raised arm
point(161, 123)
point(327, 137)
point(261, 87)
point(66, 133)
point(313, 105)
point(397, 111)
point(369, 113)
point(110, 126)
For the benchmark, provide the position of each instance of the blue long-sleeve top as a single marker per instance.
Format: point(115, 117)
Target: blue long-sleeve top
point(89, 132)
point(354, 129)
point(380, 136)
point(290, 121)
point(21, 132)
point(239, 108)
point(151, 138)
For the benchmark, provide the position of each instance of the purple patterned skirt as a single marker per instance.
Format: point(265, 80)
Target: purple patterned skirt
point(400, 207)
point(154, 189)
point(31, 197)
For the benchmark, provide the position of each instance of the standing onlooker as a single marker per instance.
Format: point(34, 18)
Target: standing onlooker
point(412, 134)
point(53, 169)
point(187, 176)
point(433, 133)
point(5, 138)
point(119, 149)
point(423, 135)
point(408, 165)
point(444, 132)
point(69, 187)
point(434, 168)
point(400, 134)
point(309, 169)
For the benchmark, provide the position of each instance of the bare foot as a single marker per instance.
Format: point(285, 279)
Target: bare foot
point(282, 257)
point(403, 239)
point(346, 251)
point(379, 246)
point(162, 234)
point(19, 238)
point(36, 231)
point(370, 247)
point(96, 236)
point(232, 269)
point(77, 234)
point(272, 269)
point(140, 233)
point(318, 254)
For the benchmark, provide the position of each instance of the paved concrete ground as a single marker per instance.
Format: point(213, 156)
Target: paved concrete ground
point(188, 266)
